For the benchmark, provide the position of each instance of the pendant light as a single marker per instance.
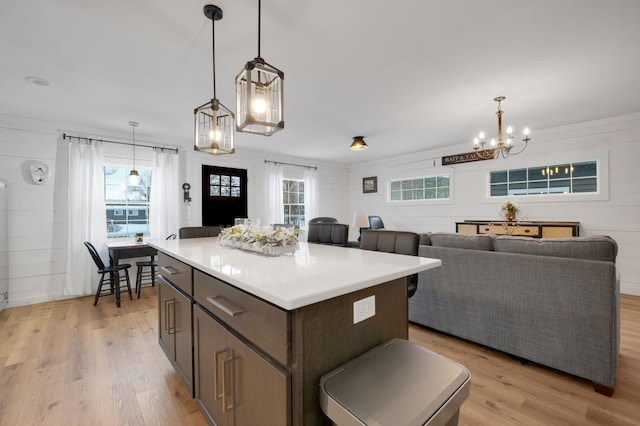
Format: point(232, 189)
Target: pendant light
point(260, 95)
point(134, 176)
point(214, 123)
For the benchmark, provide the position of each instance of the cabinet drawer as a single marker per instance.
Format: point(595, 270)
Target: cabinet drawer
point(525, 230)
point(176, 272)
point(263, 324)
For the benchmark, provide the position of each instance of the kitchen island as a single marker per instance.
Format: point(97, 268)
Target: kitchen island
point(252, 334)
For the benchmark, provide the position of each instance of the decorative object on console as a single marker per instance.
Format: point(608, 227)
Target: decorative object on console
point(39, 172)
point(272, 241)
point(214, 123)
point(501, 147)
point(370, 184)
point(185, 188)
point(358, 144)
point(134, 176)
point(260, 95)
point(509, 209)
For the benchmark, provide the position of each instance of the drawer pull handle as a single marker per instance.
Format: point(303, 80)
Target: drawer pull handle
point(526, 231)
point(225, 306)
point(170, 270)
point(487, 229)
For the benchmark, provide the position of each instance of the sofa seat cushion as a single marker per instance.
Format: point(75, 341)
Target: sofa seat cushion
point(461, 241)
point(601, 248)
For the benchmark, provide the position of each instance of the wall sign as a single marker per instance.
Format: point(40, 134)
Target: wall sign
point(467, 157)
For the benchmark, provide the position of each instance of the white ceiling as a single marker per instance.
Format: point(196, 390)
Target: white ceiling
point(409, 75)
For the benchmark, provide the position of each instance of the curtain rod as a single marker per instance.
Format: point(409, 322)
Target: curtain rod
point(80, 138)
point(291, 164)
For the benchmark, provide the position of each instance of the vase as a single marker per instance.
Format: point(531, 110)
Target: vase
point(510, 215)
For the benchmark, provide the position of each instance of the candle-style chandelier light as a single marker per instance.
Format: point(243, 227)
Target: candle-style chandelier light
point(501, 145)
point(260, 95)
point(214, 123)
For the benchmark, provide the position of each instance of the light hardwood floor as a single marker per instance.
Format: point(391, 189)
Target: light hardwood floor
point(68, 363)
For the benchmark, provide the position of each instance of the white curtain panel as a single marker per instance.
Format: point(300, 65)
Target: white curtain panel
point(164, 202)
point(273, 192)
point(311, 197)
point(87, 217)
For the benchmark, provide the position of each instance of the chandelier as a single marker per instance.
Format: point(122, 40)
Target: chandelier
point(260, 95)
point(134, 177)
point(502, 146)
point(214, 123)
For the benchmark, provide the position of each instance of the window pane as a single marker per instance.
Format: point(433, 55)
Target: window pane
point(126, 206)
point(518, 175)
point(406, 184)
point(430, 193)
point(430, 182)
point(585, 169)
point(214, 179)
point(499, 190)
point(225, 191)
point(396, 185)
point(536, 173)
point(235, 191)
point(235, 180)
point(406, 194)
point(498, 177)
point(396, 195)
point(214, 191)
point(418, 183)
point(443, 193)
point(585, 185)
point(560, 186)
point(225, 180)
point(443, 181)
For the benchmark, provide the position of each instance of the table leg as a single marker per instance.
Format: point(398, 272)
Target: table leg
point(116, 276)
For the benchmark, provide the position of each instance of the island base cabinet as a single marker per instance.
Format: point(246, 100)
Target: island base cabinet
point(176, 339)
point(234, 384)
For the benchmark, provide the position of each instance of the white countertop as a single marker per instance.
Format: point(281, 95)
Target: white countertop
point(314, 273)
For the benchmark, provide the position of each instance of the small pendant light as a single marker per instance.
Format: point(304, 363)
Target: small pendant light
point(260, 95)
point(134, 176)
point(214, 123)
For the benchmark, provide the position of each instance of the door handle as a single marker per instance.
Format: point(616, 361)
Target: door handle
point(171, 329)
point(216, 375)
point(226, 407)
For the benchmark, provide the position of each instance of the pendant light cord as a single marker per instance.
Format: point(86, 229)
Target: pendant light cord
point(213, 48)
point(259, 26)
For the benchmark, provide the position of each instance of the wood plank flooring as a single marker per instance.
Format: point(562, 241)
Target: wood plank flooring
point(69, 363)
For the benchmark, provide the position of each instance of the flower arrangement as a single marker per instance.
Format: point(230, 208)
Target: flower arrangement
point(509, 209)
point(263, 239)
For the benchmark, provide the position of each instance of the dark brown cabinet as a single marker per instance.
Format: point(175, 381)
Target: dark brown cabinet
point(175, 327)
point(521, 229)
point(234, 384)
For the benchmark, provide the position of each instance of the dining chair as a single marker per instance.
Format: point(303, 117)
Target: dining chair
point(107, 275)
point(148, 276)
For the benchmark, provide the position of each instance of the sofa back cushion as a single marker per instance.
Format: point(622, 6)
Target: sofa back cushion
point(400, 242)
point(328, 233)
point(461, 241)
point(588, 248)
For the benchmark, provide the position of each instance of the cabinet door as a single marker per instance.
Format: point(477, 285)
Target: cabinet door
point(165, 301)
point(183, 338)
point(260, 389)
point(210, 346)
point(175, 334)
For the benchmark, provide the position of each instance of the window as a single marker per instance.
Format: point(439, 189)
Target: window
point(127, 206)
point(293, 201)
point(224, 186)
point(421, 188)
point(565, 178)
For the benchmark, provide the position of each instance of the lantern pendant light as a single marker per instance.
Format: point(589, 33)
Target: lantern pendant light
point(260, 95)
point(134, 176)
point(214, 123)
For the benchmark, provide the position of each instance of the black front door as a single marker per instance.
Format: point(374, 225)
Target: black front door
point(224, 195)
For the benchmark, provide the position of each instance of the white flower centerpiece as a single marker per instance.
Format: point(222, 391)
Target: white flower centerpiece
point(269, 240)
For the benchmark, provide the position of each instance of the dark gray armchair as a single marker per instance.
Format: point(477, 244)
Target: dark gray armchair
point(375, 222)
point(323, 220)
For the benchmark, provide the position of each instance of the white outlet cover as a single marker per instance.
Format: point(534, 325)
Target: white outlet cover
point(364, 309)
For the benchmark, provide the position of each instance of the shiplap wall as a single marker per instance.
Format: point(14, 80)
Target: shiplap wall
point(37, 214)
point(614, 141)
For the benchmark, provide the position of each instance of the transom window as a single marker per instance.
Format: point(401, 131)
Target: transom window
point(293, 201)
point(224, 186)
point(421, 188)
point(127, 206)
point(565, 178)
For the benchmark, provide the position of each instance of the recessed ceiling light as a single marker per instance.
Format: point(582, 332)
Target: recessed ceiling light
point(38, 81)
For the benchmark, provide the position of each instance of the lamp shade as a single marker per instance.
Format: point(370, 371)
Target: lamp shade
point(214, 129)
point(360, 220)
point(358, 144)
point(260, 98)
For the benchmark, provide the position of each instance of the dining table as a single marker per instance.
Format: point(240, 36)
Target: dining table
point(126, 249)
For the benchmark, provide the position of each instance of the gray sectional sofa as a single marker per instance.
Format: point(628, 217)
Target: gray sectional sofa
point(551, 301)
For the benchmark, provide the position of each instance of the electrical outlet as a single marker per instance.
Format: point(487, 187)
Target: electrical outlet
point(364, 308)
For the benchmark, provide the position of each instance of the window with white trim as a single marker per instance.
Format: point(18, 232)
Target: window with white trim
point(420, 188)
point(293, 202)
point(127, 206)
point(565, 178)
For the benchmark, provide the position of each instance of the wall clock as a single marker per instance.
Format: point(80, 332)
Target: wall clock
point(39, 172)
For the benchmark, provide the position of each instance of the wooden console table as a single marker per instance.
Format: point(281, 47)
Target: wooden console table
point(524, 229)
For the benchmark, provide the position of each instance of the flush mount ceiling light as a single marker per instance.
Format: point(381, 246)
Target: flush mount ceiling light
point(501, 146)
point(38, 81)
point(214, 123)
point(134, 176)
point(358, 144)
point(260, 95)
